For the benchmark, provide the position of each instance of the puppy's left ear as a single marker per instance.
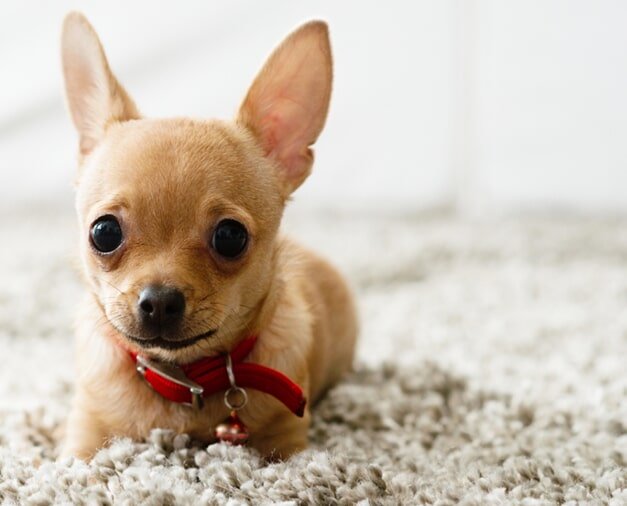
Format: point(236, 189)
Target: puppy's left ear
point(287, 105)
point(95, 97)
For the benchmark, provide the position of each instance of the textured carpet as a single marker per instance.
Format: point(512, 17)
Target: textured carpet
point(492, 370)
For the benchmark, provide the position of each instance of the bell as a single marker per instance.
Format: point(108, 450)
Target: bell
point(232, 431)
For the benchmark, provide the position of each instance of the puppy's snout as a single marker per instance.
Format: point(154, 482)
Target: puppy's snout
point(161, 306)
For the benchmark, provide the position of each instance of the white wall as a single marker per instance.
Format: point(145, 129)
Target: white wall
point(551, 104)
point(485, 105)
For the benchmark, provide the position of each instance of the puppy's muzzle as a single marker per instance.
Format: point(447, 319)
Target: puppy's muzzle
point(160, 308)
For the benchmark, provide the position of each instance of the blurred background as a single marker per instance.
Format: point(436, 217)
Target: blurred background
point(482, 107)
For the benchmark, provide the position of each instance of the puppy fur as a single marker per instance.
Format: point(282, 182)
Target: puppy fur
point(169, 182)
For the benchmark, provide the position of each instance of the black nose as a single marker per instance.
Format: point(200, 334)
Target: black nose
point(161, 306)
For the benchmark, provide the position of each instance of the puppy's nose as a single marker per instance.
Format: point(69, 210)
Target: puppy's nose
point(161, 305)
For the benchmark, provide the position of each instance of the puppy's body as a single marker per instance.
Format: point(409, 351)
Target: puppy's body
point(168, 185)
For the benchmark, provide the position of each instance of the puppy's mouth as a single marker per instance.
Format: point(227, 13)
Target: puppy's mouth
point(166, 344)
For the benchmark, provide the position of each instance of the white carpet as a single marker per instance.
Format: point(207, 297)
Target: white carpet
point(492, 370)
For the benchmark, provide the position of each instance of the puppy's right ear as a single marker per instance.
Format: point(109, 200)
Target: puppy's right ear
point(95, 97)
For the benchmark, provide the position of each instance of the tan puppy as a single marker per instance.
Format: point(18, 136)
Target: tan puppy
point(179, 247)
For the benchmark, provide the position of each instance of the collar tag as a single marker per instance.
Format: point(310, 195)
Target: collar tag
point(173, 373)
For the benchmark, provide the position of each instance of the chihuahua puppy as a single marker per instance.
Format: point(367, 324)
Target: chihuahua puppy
point(180, 249)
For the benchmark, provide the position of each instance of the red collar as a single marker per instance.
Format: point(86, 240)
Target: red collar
point(190, 383)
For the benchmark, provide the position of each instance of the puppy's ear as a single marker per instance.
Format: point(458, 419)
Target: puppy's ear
point(94, 96)
point(287, 104)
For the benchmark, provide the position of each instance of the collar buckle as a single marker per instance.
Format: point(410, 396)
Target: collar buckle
point(173, 373)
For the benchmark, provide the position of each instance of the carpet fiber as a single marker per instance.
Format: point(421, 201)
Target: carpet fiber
point(491, 370)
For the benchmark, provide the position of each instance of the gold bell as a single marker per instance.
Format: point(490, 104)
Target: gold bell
point(232, 431)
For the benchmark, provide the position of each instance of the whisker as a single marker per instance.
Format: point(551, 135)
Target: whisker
point(113, 286)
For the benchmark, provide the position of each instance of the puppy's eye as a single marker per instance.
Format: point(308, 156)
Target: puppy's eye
point(229, 238)
point(106, 234)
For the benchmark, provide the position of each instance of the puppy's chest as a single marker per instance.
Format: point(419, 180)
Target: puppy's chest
point(137, 409)
point(130, 407)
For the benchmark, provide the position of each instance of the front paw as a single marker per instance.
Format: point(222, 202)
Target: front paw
point(286, 437)
point(77, 449)
point(282, 450)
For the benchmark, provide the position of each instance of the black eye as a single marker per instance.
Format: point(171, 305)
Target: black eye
point(229, 238)
point(106, 234)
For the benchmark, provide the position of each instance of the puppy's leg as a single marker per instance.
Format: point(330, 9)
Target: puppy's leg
point(84, 435)
point(285, 436)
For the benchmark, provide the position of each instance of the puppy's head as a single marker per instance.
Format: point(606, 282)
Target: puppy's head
point(178, 217)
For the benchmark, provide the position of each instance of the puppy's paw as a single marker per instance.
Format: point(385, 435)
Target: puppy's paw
point(283, 451)
point(77, 449)
point(83, 437)
point(287, 437)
